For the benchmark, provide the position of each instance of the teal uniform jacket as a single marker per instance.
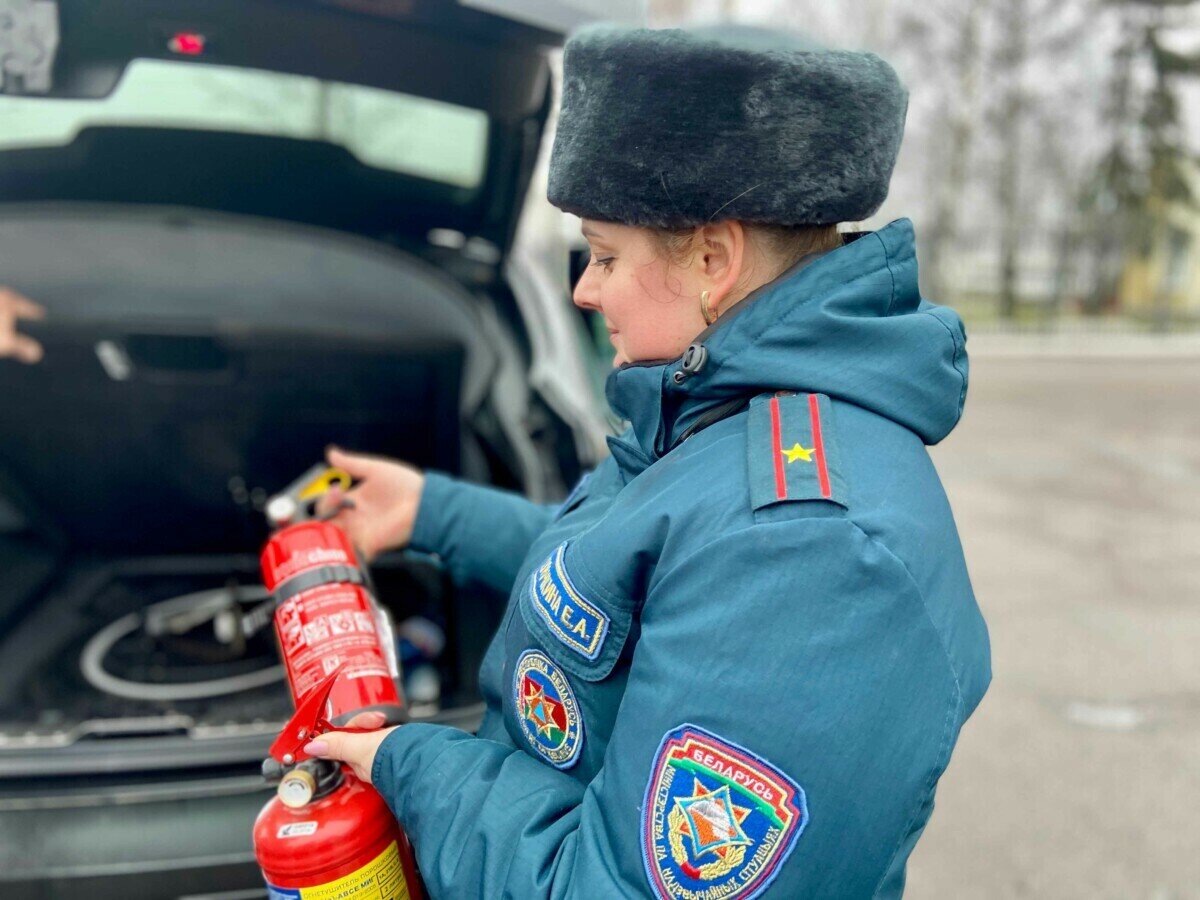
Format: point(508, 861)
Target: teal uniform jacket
point(735, 662)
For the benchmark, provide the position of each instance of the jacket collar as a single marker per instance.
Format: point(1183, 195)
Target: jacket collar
point(849, 323)
point(647, 393)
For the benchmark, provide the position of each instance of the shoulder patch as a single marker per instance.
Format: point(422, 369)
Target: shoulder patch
point(717, 820)
point(793, 452)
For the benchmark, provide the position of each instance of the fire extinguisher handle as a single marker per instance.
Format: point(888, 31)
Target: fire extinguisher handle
point(294, 503)
point(305, 723)
point(308, 722)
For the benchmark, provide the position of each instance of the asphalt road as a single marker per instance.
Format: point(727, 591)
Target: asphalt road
point(1076, 486)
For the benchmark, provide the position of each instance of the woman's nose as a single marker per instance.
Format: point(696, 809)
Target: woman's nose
point(586, 294)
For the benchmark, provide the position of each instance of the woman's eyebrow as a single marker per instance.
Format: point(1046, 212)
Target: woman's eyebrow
point(595, 238)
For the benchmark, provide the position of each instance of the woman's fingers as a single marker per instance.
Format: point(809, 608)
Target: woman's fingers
point(386, 498)
point(358, 465)
point(369, 719)
point(356, 750)
point(330, 501)
point(352, 520)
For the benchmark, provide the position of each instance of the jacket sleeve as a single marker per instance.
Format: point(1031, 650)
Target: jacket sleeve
point(481, 533)
point(804, 642)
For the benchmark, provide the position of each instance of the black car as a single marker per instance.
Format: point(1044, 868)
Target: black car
point(259, 228)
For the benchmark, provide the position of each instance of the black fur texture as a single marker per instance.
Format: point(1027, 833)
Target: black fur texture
point(667, 127)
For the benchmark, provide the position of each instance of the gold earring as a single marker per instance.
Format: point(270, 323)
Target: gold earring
point(709, 315)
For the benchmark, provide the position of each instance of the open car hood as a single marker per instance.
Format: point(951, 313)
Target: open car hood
point(460, 58)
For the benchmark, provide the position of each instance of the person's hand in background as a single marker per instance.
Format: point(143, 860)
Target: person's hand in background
point(385, 501)
point(13, 308)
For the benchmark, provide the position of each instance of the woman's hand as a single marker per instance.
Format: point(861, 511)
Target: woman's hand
point(386, 499)
point(14, 306)
point(356, 750)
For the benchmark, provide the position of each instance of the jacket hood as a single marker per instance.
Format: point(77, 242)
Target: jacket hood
point(849, 323)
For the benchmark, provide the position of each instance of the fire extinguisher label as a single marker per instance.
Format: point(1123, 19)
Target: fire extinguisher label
point(297, 829)
point(326, 627)
point(380, 879)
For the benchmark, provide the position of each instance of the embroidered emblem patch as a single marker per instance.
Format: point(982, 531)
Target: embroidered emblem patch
point(579, 624)
point(547, 710)
point(793, 454)
point(717, 821)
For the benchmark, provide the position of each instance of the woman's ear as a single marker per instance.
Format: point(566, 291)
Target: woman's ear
point(723, 257)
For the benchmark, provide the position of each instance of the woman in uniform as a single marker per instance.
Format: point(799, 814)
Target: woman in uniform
point(735, 661)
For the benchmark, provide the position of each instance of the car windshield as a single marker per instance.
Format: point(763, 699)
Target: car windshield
point(384, 129)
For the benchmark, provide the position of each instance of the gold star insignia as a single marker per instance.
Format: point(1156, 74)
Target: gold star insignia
point(797, 452)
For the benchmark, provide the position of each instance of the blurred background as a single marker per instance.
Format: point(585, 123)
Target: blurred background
point(1050, 167)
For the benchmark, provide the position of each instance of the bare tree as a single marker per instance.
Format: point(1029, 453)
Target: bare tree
point(1011, 60)
point(958, 117)
point(1061, 168)
point(1033, 37)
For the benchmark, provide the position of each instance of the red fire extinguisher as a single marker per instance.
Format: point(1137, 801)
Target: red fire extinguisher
point(326, 834)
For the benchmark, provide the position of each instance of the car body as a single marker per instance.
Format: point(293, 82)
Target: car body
point(258, 228)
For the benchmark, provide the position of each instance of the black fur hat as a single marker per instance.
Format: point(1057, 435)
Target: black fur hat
point(672, 127)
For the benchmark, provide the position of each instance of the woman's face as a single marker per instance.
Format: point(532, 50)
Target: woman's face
point(651, 307)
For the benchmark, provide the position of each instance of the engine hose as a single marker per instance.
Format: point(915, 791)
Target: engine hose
point(91, 659)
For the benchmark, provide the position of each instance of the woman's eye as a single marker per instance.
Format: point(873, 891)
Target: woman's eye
point(606, 262)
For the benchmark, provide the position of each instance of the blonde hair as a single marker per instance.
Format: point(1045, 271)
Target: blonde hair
point(783, 245)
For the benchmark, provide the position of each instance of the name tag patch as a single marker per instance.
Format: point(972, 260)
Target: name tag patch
point(579, 624)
